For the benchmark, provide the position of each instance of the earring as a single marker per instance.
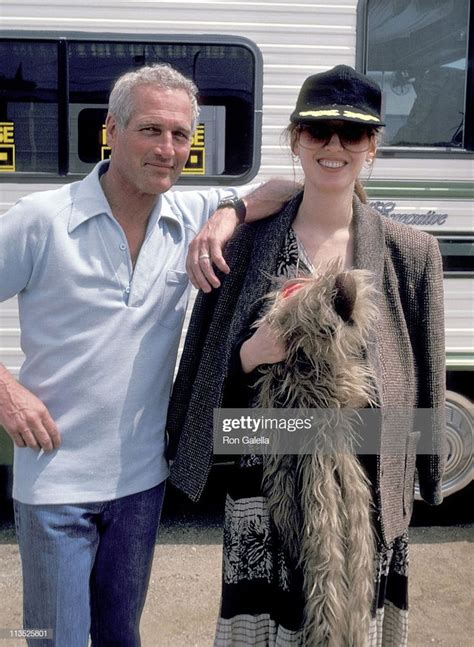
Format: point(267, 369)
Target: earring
point(369, 161)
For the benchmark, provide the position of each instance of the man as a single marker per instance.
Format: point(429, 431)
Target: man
point(99, 269)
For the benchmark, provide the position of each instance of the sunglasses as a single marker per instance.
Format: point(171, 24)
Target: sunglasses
point(353, 137)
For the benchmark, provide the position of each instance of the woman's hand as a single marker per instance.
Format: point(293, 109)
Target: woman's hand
point(262, 348)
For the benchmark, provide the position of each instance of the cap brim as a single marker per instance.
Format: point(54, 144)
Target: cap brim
point(343, 113)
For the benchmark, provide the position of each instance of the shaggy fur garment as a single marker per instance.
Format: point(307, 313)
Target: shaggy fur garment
point(320, 501)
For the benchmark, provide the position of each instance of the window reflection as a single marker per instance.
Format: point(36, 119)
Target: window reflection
point(224, 75)
point(417, 52)
point(28, 101)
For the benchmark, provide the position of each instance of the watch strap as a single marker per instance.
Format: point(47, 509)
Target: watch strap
point(235, 203)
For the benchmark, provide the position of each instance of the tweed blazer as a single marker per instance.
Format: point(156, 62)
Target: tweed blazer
point(406, 352)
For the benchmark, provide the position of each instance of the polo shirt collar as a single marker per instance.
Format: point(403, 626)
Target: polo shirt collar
point(89, 200)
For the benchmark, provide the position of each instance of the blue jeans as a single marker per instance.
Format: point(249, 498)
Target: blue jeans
point(86, 568)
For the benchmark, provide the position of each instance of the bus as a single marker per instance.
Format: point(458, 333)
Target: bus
point(249, 58)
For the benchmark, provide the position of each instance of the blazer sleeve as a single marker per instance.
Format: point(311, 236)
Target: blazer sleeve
point(431, 416)
point(188, 368)
point(198, 387)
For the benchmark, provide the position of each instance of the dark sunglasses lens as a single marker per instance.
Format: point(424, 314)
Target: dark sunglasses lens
point(352, 133)
point(320, 132)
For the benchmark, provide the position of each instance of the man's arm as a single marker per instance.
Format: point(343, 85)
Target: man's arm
point(24, 417)
point(208, 246)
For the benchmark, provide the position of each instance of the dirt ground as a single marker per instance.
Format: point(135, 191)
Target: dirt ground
point(183, 597)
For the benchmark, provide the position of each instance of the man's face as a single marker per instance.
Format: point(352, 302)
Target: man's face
point(151, 151)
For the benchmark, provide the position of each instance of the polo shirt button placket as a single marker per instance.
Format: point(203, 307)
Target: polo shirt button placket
point(126, 294)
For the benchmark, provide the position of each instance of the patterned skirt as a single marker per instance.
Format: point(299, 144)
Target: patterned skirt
point(262, 602)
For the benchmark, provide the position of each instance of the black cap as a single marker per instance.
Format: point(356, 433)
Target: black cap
point(339, 93)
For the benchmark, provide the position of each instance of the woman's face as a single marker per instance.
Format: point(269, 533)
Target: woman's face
point(332, 153)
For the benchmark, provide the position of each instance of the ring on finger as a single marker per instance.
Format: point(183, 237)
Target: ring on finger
point(204, 256)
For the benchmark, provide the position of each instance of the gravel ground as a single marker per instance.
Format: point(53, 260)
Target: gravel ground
point(183, 597)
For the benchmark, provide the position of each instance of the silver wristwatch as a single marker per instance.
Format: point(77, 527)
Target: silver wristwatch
point(236, 203)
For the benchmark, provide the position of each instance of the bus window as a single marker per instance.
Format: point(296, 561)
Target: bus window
point(28, 106)
point(418, 52)
point(458, 254)
point(227, 72)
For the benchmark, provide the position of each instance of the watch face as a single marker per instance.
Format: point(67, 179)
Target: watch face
point(228, 202)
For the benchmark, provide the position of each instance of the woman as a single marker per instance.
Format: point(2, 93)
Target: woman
point(265, 599)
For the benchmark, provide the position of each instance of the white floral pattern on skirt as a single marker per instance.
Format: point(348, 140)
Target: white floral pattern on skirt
point(252, 555)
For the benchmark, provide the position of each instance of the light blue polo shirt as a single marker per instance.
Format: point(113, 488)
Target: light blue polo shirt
point(100, 338)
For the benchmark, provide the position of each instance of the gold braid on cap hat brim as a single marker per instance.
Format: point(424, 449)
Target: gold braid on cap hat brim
point(337, 112)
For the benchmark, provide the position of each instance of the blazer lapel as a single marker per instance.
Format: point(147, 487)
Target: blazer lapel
point(368, 241)
point(269, 238)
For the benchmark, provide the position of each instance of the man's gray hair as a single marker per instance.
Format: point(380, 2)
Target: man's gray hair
point(161, 75)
